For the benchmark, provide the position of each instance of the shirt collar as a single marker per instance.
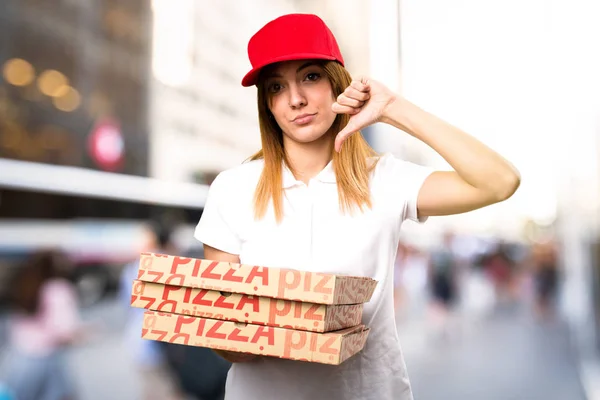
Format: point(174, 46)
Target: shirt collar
point(327, 175)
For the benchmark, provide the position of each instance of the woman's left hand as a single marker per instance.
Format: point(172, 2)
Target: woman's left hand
point(366, 100)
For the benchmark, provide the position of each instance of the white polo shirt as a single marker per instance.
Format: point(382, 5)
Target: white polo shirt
point(315, 236)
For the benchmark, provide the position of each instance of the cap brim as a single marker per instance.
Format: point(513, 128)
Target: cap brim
point(251, 77)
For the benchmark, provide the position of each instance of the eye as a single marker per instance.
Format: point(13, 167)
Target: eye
point(274, 87)
point(313, 76)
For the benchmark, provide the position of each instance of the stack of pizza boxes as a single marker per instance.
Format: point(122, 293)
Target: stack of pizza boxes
point(314, 317)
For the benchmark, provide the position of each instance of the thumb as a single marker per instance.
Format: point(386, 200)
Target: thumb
point(348, 130)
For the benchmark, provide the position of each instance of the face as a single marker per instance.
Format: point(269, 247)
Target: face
point(299, 96)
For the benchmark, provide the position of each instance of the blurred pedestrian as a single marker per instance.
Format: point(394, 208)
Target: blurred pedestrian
point(443, 284)
point(199, 371)
point(317, 197)
point(546, 279)
point(44, 324)
point(500, 267)
point(155, 377)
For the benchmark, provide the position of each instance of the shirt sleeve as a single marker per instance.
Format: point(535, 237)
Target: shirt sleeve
point(215, 227)
point(403, 181)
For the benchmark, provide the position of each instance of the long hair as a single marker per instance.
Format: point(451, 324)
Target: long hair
point(351, 164)
point(32, 274)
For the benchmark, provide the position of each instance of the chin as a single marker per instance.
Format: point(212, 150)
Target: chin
point(308, 134)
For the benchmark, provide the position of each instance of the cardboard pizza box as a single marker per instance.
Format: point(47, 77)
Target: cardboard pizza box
point(287, 284)
point(239, 307)
point(325, 348)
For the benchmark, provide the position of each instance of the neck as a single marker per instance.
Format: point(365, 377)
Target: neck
point(308, 159)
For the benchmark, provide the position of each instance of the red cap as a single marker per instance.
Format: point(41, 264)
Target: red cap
point(290, 37)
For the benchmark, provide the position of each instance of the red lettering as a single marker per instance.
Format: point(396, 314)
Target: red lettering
point(177, 261)
point(264, 331)
point(320, 286)
point(160, 334)
point(259, 272)
point(325, 347)
point(157, 274)
point(181, 320)
point(146, 262)
point(355, 292)
point(177, 279)
point(149, 320)
point(229, 276)
point(138, 287)
point(164, 304)
point(313, 342)
point(199, 298)
point(185, 336)
point(149, 301)
point(275, 311)
point(196, 269)
point(253, 300)
point(168, 289)
point(140, 273)
point(187, 294)
point(200, 330)
point(347, 315)
point(312, 313)
point(290, 344)
point(212, 332)
point(220, 302)
point(307, 280)
point(238, 338)
point(284, 284)
point(208, 274)
point(297, 309)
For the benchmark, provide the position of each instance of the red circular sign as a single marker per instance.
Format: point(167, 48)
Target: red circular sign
point(106, 145)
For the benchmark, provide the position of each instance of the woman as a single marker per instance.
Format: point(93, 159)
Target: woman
point(45, 322)
point(317, 198)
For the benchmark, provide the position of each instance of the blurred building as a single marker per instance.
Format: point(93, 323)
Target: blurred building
point(73, 92)
point(74, 138)
point(74, 85)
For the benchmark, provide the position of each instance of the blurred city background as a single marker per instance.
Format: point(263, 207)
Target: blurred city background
point(115, 116)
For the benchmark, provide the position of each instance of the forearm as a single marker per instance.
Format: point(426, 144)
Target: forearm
point(475, 163)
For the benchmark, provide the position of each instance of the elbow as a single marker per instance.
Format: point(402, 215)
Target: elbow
point(507, 186)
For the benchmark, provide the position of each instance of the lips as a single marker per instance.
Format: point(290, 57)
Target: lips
point(304, 119)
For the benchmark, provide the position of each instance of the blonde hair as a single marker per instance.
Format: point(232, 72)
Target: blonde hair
point(350, 164)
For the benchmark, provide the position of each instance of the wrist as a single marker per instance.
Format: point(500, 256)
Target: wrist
point(399, 113)
point(394, 111)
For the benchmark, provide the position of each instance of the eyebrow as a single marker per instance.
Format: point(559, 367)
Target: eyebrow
point(303, 66)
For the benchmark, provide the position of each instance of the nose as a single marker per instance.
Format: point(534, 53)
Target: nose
point(297, 98)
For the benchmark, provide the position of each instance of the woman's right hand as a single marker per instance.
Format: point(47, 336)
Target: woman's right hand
point(235, 357)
